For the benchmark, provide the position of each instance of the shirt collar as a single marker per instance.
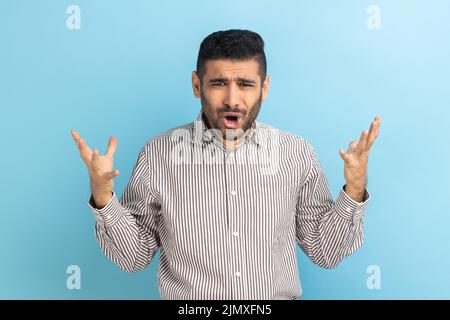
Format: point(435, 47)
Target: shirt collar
point(251, 135)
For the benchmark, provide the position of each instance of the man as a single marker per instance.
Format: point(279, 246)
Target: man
point(226, 198)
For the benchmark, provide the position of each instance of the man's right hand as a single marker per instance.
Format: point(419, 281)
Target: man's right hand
point(100, 169)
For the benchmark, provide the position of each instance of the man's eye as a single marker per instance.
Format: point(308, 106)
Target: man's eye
point(244, 85)
point(218, 84)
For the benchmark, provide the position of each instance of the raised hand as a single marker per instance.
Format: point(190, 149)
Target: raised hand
point(356, 159)
point(100, 168)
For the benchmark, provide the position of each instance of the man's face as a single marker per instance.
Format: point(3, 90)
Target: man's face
point(231, 95)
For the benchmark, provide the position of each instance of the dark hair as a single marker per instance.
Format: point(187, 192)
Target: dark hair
point(234, 44)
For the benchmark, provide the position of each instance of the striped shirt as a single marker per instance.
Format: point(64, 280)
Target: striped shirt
point(227, 222)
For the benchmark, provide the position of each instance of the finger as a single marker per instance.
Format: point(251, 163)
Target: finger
point(352, 144)
point(374, 130)
point(343, 154)
point(362, 143)
point(85, 151)
point(79, 141)
point(75, 135)
point(83, 146)
point(95, 155)
point(112, 146)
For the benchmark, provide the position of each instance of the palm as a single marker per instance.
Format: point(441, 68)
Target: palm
point(102, 164)
point(353, 162)
point(100, 167)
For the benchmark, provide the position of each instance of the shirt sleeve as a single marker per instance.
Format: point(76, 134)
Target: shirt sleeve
point(327, 230)
point(127, 229)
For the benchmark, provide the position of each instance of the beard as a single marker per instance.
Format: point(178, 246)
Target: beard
point(214, 119)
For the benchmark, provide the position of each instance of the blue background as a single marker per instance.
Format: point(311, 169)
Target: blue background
point(127, 72)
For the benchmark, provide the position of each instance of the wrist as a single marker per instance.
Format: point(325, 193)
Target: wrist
point(355, 192)
point(102, 199)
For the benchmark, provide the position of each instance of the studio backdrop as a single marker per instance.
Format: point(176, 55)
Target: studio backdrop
point(123, 68)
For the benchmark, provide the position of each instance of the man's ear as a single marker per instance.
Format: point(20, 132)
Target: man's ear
point(196, 84)
point(265, 87)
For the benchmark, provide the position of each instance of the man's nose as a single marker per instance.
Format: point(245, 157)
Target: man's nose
point(233, 97)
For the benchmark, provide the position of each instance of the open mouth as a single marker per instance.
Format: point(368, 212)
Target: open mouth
point(232, 120)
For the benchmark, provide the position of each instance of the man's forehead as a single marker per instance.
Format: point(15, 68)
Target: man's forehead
point(232, 68)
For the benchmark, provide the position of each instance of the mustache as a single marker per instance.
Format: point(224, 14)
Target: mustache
point(228, 109)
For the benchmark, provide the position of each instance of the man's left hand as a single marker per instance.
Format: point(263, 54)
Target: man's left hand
point(356, 159)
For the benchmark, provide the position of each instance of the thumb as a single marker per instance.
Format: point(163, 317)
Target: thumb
point(112, 174)
point(343, 155)
point(112, 146)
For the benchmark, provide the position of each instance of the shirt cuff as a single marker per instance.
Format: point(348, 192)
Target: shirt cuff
point(109, 214)
point(349, 209)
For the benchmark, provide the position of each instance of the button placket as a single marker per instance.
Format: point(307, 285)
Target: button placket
point(235, 241)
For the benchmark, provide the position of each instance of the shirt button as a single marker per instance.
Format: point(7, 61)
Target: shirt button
point(238, 274)
point(348, 209)
point(235, 234)
point(233, 192)
point(108, 216)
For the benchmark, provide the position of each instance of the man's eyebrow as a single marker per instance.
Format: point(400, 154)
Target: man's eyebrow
point(218, 80)
point(240, 79)
point(246, 80)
